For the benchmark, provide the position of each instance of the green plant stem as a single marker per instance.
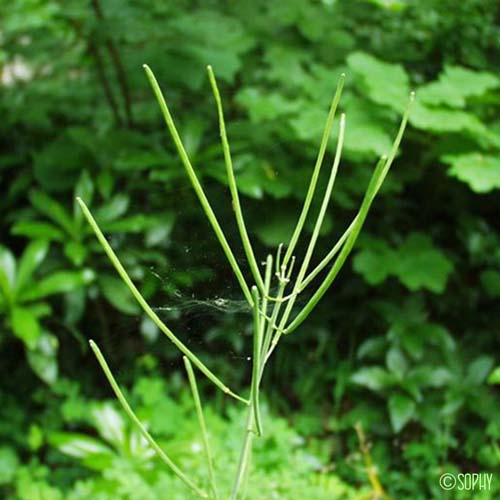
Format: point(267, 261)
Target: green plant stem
point(376, 181)
point(146, 307)
point(253, 416)
point(257, 345)
point(196, 185)
point(344, 253)
point(244, 461)
point(203, 427)
point(317, 167)
point(314, 238)
point(324, 206)
point(128, 410)
point(240, 221)
point(329, 256)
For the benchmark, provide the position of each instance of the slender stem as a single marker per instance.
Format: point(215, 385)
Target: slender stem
point(324, 205)
point(196, 185)
point(128, 410)
point(257, 345)
point(376, 181)
point(271, 327)
point(240, 221)
point(265, 299)
point(329, 256)
point(203, 427)
point(317, 167)
point(121, 74)
point(101, 74)
point(244, 461)
point(346, 249)
point(253, 413)
point(312, 243)
point(146, 307)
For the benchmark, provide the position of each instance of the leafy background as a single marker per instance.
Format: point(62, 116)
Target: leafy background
point(406, 342)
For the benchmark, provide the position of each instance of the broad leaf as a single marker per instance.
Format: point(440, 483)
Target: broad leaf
point(478, 370)
point(401, 410)
point(36, 229)
point(43, 358)
point(384, 83)
point(32, 257)
point(416, 263)
point(54, 210)
point(78, 445)
point(480, 171)
point(25, 325)
point(118, 295)
point(7, 269)
point(455, 85)
point(374, 378)
point(110, 424)
point(59, 282)
point(396, 362)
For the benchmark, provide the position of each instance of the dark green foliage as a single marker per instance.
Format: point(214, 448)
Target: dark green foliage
point(405, 342)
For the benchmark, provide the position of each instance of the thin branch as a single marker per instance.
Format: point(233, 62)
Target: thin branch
point(203, 427)
point(121, 74)
point(376, 181)
point(314, 237)
point(240, 221)
point(257, 345)
point(197, 186)
point(328, 257)
point(106, 86)
point(128, 410)
point(146, 307)
point(317, 167)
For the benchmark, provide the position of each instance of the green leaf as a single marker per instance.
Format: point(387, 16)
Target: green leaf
point(59, 282)
point(38, 230)
point(85, 188)
point(117, 294)
point(481, 172)
point(478, 370)
point(275, 229)
point(421, 265)
point(25, 325)
point(446, 120)
point(262, 107)
point(110, 424)
point(416, 263)
point(396, 362)
point(78, 445)
point(374, 378)
point(494, 377)
point(375, 262)
point(32, 257)
point(455, 85)
point(54, 210)
point(76, 252)
point(43, 358)
point(7, 266)
point(365, 133)
point(133, 224)
point(384, 83)
point(401, 410)
point(9, 464)
point(215, 39)
point(113, 209)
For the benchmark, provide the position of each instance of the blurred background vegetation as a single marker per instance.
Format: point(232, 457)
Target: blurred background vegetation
point(406, 342)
